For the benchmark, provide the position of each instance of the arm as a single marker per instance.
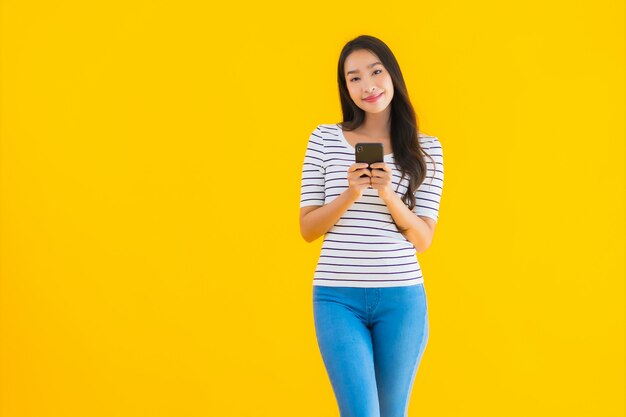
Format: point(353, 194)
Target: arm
point(418, 230)
point(317, 220)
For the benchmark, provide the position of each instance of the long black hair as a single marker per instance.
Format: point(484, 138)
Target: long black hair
point(408, 154)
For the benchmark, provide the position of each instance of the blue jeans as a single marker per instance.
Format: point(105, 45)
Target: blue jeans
point(371, 341)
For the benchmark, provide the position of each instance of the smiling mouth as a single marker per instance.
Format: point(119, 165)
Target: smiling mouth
point(374, 98)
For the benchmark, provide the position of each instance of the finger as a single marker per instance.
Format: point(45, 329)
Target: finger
point(364, 172)
point(380, 173)
point(378, 180)
point(357, 175)
point(358, 165)
point(382, 166)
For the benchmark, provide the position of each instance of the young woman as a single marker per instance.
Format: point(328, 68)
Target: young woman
point(369, 301)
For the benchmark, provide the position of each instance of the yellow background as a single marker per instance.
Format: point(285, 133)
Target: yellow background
point(151, 261)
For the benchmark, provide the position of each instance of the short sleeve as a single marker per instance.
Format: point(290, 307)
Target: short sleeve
point(428, 194)
point(312, 183)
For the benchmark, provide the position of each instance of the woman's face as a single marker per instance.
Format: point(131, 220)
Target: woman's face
point(368, 74)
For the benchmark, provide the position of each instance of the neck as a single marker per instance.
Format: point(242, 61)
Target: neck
point(377, 124)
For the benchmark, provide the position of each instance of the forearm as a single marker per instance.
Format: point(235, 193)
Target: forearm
point(319, 221)
point(414, 229)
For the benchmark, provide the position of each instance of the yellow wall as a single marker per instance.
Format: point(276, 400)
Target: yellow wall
point(151, 262)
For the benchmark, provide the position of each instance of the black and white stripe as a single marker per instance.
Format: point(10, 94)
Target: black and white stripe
point(364, 248)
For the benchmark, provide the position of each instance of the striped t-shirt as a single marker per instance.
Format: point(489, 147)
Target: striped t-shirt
point(365, 248)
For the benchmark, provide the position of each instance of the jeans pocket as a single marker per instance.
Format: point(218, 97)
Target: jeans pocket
point(425, 297)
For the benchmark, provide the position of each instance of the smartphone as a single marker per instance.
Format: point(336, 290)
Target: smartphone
point(369, 153)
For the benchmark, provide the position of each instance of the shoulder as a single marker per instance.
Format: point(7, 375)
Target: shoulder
point(430, 144)
point(328, 129)
point(426, 139)
point(325, 132)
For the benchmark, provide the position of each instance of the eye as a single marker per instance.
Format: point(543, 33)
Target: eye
point(358, 77)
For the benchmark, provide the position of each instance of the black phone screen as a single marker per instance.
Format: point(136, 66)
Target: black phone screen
point(369, 153)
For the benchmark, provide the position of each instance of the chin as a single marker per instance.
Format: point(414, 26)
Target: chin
point(380, 110)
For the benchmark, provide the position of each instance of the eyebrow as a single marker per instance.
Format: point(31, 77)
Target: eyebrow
point(369, 66)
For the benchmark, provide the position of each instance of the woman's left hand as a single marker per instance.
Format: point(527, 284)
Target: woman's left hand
point(381, 179)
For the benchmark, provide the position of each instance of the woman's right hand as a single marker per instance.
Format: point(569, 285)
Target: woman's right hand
point(356, 184)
